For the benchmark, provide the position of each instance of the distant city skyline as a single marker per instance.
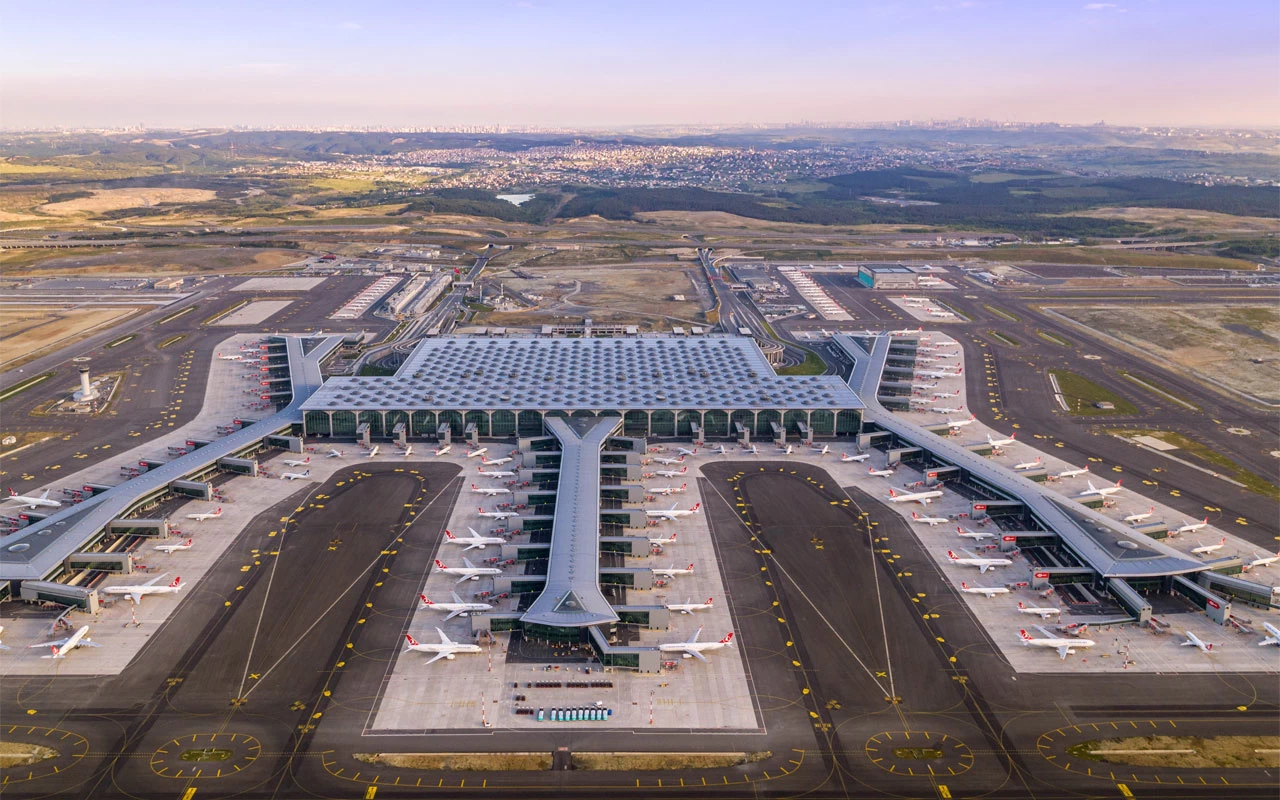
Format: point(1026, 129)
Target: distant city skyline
point(593, 65)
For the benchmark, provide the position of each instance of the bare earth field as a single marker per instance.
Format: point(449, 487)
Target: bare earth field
point(1195, 221)
point(700, 220)
point(146, 262)
point(113, 199)
point(26, 331)
point(1209, 341)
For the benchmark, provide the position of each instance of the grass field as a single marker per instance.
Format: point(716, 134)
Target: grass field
point(1192, 221)
point(27, 331)
point(1210, 458)
point(1004, 338)
point(1054, 338)
point(999, 312)
point(1081, 393)
point(143, 261)
point(1157, 389)
point(1229, 752)
point(812, 365)
point(1119, 258)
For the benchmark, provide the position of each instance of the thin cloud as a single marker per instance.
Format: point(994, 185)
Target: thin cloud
point(1098, 6)
point(351, 26)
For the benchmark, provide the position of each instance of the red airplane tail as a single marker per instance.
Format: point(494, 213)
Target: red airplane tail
point(696, 506)
point(710, 600)
point(892, 493)
point(425, 601)
point(690, 567)
point(412, 641)
point(1026, 637)
point(952, 555)
point(1020, 605)
point(176, 582)
point(440, 564)
point(449, 535)
point(727, 638)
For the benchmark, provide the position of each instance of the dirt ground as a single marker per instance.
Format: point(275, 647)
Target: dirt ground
point(25, 331)
point(1195, 221)
point(1219, 751)
point(148, 261)
point(1218, 341)
point(113, 199)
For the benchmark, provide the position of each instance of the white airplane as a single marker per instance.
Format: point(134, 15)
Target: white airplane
point(687, 452)
point(924, 385)
point(939, 373)
point(786, 450)
point(1002, 442)
point(1262, 561)
point(293, 462)
point(1195, 641)
point(922, 498)
point(1190, 527)
point(1206, 549)
point(1134, 518)
point(822, 451)
point(1071, 473)
point(720, 450)
point(941, 410)
point(1274, 638)
point(667, 489)
point(170, 548)
point(373, 451)
point(695, 649)
point(442, 450)
point(671, 571)
point(497, 514)
point(752, 450)
point(672, 513)
point(231, 358)
point(920, 401)
point(1063, 645)
point(985, 591)
point(1029, 464)
point(408, 451)
point(946, 355)
point(1094, 491)
point(940, 395)
point(447, 648)
point(61, 647)
point(977, 536)
point(490, 491)
point(333, 453)
point(136, 592)
point(474, 541)
point(205, 516)
point(930, 521)
point(671, 473)
point(880, 473)
point(845, 457)
point(470, 572)
point(668, 461)
point(457, 608)
point(477, 452)
point(42, 501)
point(496, 462)
point(496, 473)
point(688, 607)
point(906, 332)
point(4, 647)
point(661, 540)
point(1044, 612)
point(983, 564)
point(293, 476)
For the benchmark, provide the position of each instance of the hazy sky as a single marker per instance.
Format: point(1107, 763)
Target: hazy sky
point(601, 63)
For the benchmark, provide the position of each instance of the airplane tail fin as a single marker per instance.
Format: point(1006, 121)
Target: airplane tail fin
point(964, 585)
point(697, 506)
point(424, 600)
point(439, 564)
point(690, 567)
point(1026, 637)
point(176, 582)
point(951, 554)
point(728, 638)
point(683, 471)
point(449, 535)
point(1020, 604)
point(892, 493)
point(710, 600)
point(412, 641)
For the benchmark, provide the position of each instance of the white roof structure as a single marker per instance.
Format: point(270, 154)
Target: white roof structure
point(543, 374)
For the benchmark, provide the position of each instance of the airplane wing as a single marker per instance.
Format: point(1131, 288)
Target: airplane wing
point(455, 597)
point(1042, 630)
point(1063, 650)
point(153, 581)
point(452, 614)
point(45, 496)
point(698, 655)
point(443, 638)
point(673, 507)
point(135, 597)
point(473, 547)
point(982, 568)
point(694, 638)
point(474, 535)
point(55, 643)
point(466, 561)
point(436, 657)
point(463, 578)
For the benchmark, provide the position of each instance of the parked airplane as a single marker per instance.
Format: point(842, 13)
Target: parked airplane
point(687, 452)
point(1071, 473)
point(458, 608)
point(170, 548)
point(470, 572)
point(1001, 442)
point(720, 450)
point(496, 462)
point(474, 541)
point(477, 452)
point(42, 501)
point(333, 453)
point(373, 451)
point(983, 564)
point(408, 451)
point(136, 592)
point(695, 649)
point(785, 450)
point(671, 473)
point(1094, 491)
point(669, 461)
point(497, 514)
point(940, 395)
point(489, 491)
point(1190, 527)
point(924, 385)
point(880, 473)
point(921, 401)
point(940, 373)
point(930, 521)
point(293, 476)
point(447, 648)
point(940, 410)
point(1029, 464)
point(985, 591)
point(752, 450)
point(667, 489)
point(671, 571)
point(954, 424)
point(1262, 561)
point(205, 516)
point(661, 540)
point(61, 647)
point(923, 498)
point(294, 462)
point(672, 513)
point(231, 358)
point(688, 607)
point(1206, 549)
point(1135, 518)
point(1274, 637)
point(856, 457)
point(822, 451)
point(1044, 612)
point(442, 450)
point(496, 473)
point(1063, 645)
point(1195, 641)
point(977, 536)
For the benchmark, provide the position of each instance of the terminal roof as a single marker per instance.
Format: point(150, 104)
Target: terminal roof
point(547, 374)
